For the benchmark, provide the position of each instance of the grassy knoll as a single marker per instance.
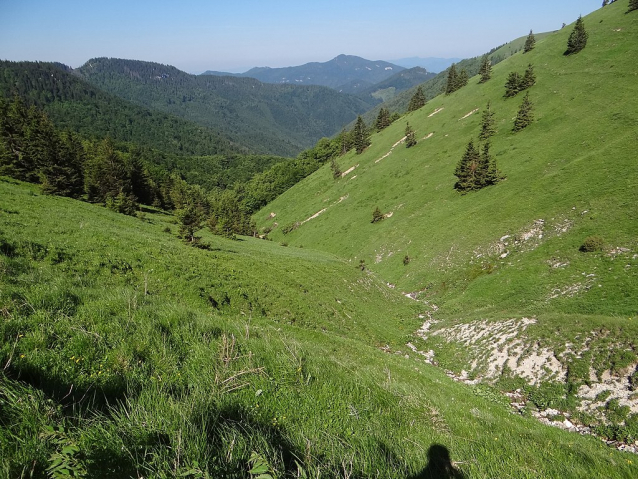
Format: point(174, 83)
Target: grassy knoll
point(126, 353)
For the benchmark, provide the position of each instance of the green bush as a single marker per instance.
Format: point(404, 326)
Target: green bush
point(591, 244)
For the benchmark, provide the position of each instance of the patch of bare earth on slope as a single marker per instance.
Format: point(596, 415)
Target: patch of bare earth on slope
point(503, 347)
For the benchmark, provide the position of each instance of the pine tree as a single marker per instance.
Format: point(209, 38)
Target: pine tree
point(513, 85)
point(417, 100)
point(452, 80)
point(524, 116)
point(487, 123)
point(361, 136)
point(466, 169)
point(633, 5)
point(487, 173)
point(336, 171)
point(529, 78)
point(190, 219)
point(461, 79)
point(410, 136)
point(486, 69)
point(530, 43)
point(578, 38)
point(383, 119)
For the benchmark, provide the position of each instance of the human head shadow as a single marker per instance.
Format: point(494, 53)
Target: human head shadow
point(439, 465)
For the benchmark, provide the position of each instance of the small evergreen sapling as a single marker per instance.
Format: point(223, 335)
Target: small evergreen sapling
point(578, 38)
point(487, 123)
point(377, 215)
point(524, 116)
point(336, 171)
point(410, 136)
point(529, 78)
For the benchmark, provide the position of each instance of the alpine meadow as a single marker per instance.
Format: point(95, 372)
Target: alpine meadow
point(444, 286)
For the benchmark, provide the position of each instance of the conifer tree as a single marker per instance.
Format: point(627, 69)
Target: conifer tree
point(377, 215)
point(513, 85)
point(487, 123)
point(461, 79)
point(190, 220)
point(524, 116)
point(452, 80)
point(336, 171)
point(410, 136)
point(417, 100)
point(633, 5)
point(578, 38)
point(529, 78)
point(530, 43)
point(466, 169)
point(488, 174)
point(361, 136)
point(383, 119)
point(486, 69)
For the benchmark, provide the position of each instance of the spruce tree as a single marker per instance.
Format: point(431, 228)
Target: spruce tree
point(452, 80)
point(524, 116)
point(461, 79)
point(466, 169)
point(487, 123)
point(578, 38)
point(486, 69)
point(488, 174)
point(633, 5)
point(530, 43)
point(336, 171)
point(513, 85)
point(361, 136)
point(410, 136)
point(529, 78)
point(383, 119)
point(417, 100)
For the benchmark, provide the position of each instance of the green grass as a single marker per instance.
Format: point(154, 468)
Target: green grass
point(116, 362)
point(512, 250)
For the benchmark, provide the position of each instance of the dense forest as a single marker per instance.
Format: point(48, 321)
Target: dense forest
point(76, 105)
point(266, 118)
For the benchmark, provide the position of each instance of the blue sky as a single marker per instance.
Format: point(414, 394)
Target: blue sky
point(198, 35)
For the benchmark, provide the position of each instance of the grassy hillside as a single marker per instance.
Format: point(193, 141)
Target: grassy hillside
point(510, 250)
point(267, 118)
point(435, 86)
point(127, 353)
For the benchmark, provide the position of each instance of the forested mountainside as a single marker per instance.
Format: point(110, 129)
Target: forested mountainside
point(266, 118)
point(336, 73)
point(75, 104)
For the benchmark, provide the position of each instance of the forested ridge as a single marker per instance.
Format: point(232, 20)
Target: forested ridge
point(74, 104)
point(266, 118)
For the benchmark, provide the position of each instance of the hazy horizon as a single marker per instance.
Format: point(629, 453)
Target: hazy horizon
point(198, 35)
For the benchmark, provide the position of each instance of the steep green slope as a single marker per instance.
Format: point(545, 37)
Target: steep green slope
point(126, 353)
point(509, 250)
point(435, 86)
point(267, 118)
point(76, 105)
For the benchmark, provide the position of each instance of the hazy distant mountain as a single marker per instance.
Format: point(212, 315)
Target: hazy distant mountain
point(431, 64)
point(340, 71)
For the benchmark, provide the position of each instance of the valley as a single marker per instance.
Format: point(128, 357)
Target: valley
point(221, 276)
